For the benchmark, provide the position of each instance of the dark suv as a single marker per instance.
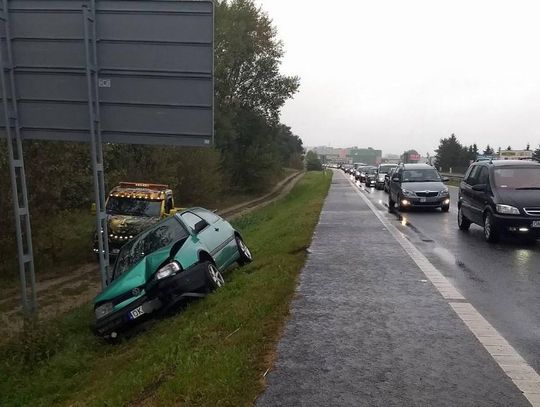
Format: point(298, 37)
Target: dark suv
point(503, 197)
point(418, 185)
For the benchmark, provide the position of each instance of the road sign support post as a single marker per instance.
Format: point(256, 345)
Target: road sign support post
point(17, 173)
point(96, 147)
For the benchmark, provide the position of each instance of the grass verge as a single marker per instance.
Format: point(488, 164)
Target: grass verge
point(213, 353)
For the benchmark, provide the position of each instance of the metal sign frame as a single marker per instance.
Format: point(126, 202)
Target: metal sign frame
point(96, 79)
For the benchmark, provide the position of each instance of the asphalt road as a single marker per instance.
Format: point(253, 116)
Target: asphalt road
point(502, 281)
point(368, 329)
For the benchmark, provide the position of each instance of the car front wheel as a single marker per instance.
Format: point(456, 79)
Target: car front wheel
point(214, 277)
point(463, 222)
point(244, 252)
point(491, 234)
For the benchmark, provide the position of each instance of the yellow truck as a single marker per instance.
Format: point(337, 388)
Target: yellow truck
point(133, 207)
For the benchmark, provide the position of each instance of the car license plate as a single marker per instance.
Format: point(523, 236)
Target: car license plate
point(536, 224)
point(136, 313)
point(423, 200)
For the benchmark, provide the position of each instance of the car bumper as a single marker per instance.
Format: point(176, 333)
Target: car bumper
point(164, 293)
point(429, 202)
point(519, 225)
point(370, 182)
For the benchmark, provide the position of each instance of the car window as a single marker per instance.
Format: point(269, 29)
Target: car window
point(208, 216)
point(517, 178)
point(473, 175)
point(483, 176)
point(190, 220)
point(421, 175)
point(160, 235)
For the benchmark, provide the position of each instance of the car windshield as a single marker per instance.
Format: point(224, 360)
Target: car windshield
point(385, 169)
point(372, 171)
point(421, 175)
point(521, 178)
point(155, 238)
point(133, 207)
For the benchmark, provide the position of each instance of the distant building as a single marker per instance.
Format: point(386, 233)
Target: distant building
point(515, 155)
point(365, 155)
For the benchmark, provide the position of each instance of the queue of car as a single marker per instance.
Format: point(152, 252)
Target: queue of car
point(501, 196)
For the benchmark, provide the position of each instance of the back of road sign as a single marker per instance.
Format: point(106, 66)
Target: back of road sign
point(155, 68)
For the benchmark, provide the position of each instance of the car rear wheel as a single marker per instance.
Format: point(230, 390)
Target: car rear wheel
point(214, 276)
point(463, 222)
point(491, 234)
point(245, 254)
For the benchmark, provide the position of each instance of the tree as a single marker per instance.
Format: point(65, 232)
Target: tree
point(528, 148)
point(488, 150)
point(450, 153)
point(312, 162)
point(536, 154)
point(509, 148)
point(249, 93)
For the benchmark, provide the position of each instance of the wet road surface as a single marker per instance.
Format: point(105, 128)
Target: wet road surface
point(501, 280)
point(368, 329)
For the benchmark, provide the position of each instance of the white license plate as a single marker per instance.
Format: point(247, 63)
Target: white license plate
point(423, 200)
point(536, 224)
point(136, 313)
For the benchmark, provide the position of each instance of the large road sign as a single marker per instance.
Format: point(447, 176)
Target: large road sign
point(120, 71)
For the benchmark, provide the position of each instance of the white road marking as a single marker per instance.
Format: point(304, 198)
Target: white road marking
point(514, 366)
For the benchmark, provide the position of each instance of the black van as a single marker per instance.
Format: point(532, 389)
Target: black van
point(503, 197)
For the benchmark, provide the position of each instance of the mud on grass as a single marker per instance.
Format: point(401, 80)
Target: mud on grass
point(215, 352)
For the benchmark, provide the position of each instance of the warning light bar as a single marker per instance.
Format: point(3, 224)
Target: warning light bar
point(158, 187)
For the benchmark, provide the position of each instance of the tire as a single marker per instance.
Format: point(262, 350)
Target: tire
point(463, 222)
point(491, 233)
point(245, 254)
point(445, 208)
point(213, 276)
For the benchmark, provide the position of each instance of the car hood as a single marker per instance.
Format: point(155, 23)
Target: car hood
point(129, 225)
point(137, 276)
point(519, 198)
point(423, 186)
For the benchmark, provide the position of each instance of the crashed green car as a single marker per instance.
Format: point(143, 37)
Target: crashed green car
point(179, 257)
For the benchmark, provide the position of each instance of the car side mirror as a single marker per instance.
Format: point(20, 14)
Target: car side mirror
point(479, 187)
point(445, 179)
point(200, 225)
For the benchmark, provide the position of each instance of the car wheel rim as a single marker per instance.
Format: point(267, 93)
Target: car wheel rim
point(216, 275)
point(487, 227)
point(244, 249)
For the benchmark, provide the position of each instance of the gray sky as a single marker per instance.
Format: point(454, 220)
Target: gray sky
point(395, 74)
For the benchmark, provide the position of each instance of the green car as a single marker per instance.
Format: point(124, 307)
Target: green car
point(179, 257)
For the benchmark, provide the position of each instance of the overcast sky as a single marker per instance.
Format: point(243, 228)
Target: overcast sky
point(401, 74)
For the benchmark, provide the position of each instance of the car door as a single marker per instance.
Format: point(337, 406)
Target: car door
point(208, 236)
point(395, 186)
point(222, 235)
point(466, 194)
point(479, 198)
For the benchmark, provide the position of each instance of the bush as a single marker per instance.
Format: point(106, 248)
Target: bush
point(312, 162)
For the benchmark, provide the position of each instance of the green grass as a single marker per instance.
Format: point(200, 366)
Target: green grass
point(214, 353)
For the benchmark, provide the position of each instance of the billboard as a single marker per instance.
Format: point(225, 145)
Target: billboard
point(154, 64)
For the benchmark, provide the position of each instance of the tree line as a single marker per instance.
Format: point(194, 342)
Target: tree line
point(251, 147)
point(451, 154)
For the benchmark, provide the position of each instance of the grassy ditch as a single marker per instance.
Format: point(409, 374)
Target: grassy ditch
point(213, 353)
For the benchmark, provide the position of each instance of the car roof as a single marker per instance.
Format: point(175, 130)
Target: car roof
point(417, 167)
point(509, 163)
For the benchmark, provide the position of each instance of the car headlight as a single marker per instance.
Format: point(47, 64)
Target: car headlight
point(168, 270)
point(103, 310)
point(444, 192)
point(507, 209)
point(406, 192)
